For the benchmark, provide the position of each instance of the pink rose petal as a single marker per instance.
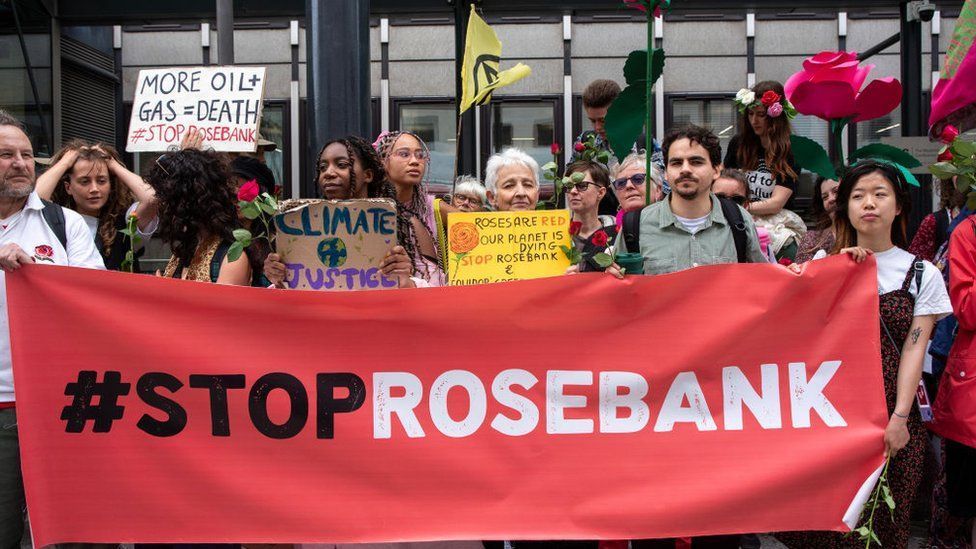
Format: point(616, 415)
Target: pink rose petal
point(878, 99)
point(824, 100)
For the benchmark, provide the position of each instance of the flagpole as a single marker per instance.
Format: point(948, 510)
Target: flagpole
point(457, 154)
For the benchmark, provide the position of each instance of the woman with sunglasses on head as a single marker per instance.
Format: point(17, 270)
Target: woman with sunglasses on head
point(406, 160)
point(93, 181)
point(873, 205)
point(591, 232)
point(349, 169)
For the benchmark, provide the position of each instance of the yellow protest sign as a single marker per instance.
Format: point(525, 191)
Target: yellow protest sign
point(487, 247)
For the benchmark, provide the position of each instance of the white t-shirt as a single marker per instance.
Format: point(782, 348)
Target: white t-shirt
point(692, 225)
point(893, 267)
point(32, 233)
point(92, 223)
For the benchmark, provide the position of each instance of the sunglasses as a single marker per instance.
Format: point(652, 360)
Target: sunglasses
point(637, 179)
point(581, 186)
point(740, 200)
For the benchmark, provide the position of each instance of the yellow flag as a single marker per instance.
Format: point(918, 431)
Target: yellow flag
point(479, 70)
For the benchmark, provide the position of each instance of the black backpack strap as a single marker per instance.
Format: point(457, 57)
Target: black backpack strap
point(919, 271)
point(54, 216)
point(733, 215)
point(942, 220)
point(632, 231)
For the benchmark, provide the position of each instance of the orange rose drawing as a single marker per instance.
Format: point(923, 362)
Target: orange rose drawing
point(464, 238)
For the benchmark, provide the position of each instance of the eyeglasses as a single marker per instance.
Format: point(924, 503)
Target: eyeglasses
point(405, 154)
point(637, 179)
point(460, 198)
point(740, 200)
point(159, 162)
point(581, 186)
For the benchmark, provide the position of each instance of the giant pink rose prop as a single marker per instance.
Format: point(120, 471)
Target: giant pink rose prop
point(829, 87)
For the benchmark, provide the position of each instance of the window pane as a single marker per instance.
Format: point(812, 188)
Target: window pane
point(527, 127)
point(871, 131)
point(272, 129)
point(437, 126)
point(718, 114)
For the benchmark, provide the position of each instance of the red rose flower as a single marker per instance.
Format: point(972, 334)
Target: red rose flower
point(945, 156)
point(248, 191)
point(785, 261)
point(44, 251)
point(554, 148)
point(599, 238)
point(579, 147)
point(574, 228)
point(769, 98)
point(949, 134)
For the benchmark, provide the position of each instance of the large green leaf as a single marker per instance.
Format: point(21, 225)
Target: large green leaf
point(886, 152)
point(907, 174)
point(625, 119)
point(812, 157)
point(943, 170)
point(635, 68)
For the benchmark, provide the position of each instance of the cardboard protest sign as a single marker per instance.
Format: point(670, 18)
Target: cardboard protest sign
point(487, 247)
point(336, 244)
point(223, 102)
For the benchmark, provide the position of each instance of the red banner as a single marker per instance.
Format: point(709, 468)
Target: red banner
point(724, 399)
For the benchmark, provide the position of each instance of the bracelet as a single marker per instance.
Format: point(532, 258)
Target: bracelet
point(896, 414)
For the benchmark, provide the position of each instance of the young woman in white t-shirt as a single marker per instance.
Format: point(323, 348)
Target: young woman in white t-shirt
point(872, 212)
point(92, 180)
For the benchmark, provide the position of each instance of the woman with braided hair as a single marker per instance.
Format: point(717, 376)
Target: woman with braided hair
point(347, 169)
point(406, 160)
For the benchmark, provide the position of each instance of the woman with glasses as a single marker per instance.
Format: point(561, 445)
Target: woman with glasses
point(469, 195)
point(630, 184)
point(93, 181)
point(406, 160)
point(591, 231)
point(873, 206)
point(348, 169)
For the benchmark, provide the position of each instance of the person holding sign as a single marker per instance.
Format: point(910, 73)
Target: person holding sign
point(93, 181)
point(197, 216)
point(350, 169)
point(406, 160)
point(512, 181)
point(591, 232)
point(873, 205)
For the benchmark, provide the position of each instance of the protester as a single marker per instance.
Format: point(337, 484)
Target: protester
point(92, 180)
point(406, 160)
point(630, 183)
point(762, 148)
point(197, 216)
point(934, 230)
point(691, 228)
point(469, 195)
point(31, 231)
point(732, 185)
point(954, 411)
point(349, 168)
point(824, 207)
point(591, 232)
point(873, 206)
point(512, 181)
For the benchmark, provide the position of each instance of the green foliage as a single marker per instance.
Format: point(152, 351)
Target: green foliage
point(572, 254)
point(811, 156)
point(603, 259)
point(881, 151)
point(628, 112)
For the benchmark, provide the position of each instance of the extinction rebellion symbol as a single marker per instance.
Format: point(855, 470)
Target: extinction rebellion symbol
point(486, 68)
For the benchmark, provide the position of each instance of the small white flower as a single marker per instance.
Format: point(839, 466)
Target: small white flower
point(745, 97)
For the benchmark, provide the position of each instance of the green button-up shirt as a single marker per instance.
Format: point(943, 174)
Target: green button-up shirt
point(667, 246)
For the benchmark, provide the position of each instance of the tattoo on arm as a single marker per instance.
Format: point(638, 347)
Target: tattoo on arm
point(915, 333)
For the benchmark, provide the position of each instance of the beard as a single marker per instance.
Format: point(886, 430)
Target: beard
point(9, 189)
point(687, 193)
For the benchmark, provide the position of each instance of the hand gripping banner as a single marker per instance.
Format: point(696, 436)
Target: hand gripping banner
point(724, 399)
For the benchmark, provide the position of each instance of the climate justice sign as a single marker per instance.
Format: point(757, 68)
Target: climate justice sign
point(619, 413)
point(224, 103)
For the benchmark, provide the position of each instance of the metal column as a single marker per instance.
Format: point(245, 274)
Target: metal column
point(338, 95)
point(466, 146)
point(225, 32)
point(911, 105)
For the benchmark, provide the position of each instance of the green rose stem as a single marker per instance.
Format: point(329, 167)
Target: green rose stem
point(837, 133)
point(648, 141)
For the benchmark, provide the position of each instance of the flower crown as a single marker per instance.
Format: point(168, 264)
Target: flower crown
point(775, 104)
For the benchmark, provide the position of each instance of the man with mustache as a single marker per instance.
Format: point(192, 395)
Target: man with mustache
point(31, 231)
point(690, 228)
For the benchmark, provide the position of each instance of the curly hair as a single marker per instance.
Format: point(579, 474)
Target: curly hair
point(359, 150)
point(196, 200)
point(778, 129)
point(119, 198)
